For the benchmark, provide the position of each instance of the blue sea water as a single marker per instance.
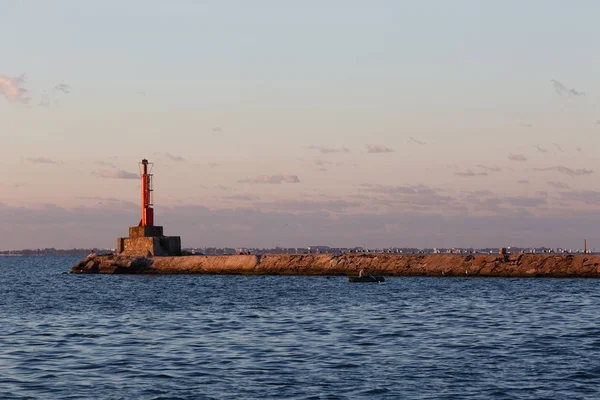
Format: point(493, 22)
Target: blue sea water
point(65, 336)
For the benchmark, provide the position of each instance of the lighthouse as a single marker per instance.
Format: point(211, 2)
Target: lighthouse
point(147, 239)
point(147, 210)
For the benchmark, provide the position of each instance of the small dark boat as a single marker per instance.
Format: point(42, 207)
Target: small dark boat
point(366, 279)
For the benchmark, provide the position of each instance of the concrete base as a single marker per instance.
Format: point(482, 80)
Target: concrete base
point(161, 246)
point(145, 231)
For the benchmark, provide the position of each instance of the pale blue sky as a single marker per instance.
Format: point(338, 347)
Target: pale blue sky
point(459, 91)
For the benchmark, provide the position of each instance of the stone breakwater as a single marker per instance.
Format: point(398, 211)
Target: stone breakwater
point(510, 265)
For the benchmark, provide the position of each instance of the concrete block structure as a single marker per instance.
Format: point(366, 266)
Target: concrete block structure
point(150, 245)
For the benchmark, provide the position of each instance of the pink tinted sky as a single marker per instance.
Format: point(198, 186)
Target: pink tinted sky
point(385, 124)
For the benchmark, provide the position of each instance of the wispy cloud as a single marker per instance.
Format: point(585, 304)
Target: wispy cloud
point(525, 201)
point(217, 129)
point(116, 174)
point(526, 125)
point(559, 185)
point(44, 102)
point(173, 157)
point(312, 206)
point(470, 173)
point(109, 201)
point(377, 148)
point(62, 87)
point(241, 197)
point(584, 196)
point(13, 89)
point(43, 160)
point(417, 195)
point(557, 147)
point(517, 157)
point(567, 171)
point(540, 149)
point(490, 168)
point(321, 163)
point(327, 150)
point(105, 163)
point(212, 165)
point(413, 140)
point(564, 91)
point(271, 179)
point(523, 182)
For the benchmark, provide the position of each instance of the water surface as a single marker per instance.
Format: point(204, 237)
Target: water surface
point(213, 337)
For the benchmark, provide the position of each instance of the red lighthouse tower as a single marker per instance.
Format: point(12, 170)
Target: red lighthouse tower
point(147, 238)
point(147, 210)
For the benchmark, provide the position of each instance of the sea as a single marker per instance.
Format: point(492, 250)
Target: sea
point(65, 336)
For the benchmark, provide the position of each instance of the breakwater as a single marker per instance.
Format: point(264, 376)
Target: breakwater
point(509, 265)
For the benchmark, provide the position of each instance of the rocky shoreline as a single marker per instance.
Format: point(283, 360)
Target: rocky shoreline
point(509, 265)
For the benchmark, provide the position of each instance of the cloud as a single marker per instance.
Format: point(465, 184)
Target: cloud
point(523, 201)
point(105, 164)
point(490, 169)
point(62, 87)
point(526, 125)
point(485, 201)
point(113, 201)
point(540, 149)
point(589, 197)
point(217, 129)
point(311, 206)
point(323, 162)
point(212, 165)
point(116, 174)
point(240, 197)
point(173, 157)
point(327, 150)
point(44, 102)
point(289, 223)
point(557, 147)
point(523, 182)
point(13, 90)
point(517, 157)
point(54, 226)
point(43, 160)
point(470, 173)
point(413, 140)
point(418, 195)
point(559, 185)
point(376, 148)
point(567, 171)
point(271, 179)
point(564, 91)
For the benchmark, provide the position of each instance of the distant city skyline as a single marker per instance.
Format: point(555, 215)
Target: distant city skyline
point(346, 123)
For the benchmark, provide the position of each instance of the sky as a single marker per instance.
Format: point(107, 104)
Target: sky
point(271, 123)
